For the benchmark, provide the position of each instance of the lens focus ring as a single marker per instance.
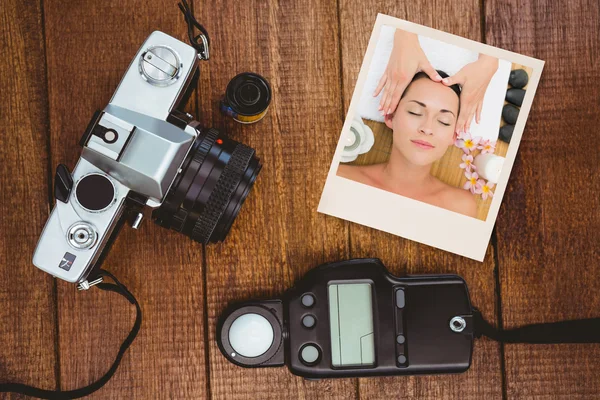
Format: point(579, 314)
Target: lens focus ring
point(211, 135)
point(170, 215)
point(222, 192)
point(209, 139)
point(207, 193)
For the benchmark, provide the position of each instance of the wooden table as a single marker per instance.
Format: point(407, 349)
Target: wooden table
point(63, 60)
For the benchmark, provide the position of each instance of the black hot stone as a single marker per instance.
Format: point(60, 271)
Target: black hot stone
point(515, 96)
point(518, 78)
point(510, 113)
point(506, 133)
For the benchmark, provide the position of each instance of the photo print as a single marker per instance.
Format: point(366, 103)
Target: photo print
point(430, 136)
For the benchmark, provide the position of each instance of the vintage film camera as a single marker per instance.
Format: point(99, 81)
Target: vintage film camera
point(143, 150)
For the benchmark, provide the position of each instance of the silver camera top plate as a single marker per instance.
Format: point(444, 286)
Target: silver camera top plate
point(136, 150)
point(58, 251)
point(137, 93)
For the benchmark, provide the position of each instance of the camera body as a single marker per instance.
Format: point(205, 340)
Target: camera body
point(141, 150)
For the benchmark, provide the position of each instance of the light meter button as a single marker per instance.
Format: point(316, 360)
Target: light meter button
point(308, 300)
point(309, 321)
point(310, 354)
point(400, 301)
point(251, 335)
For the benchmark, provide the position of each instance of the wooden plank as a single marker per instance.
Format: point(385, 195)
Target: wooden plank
point(90, 45)
point(278, 234)
point(548, 225)
point(484, 379)
point(27, 295)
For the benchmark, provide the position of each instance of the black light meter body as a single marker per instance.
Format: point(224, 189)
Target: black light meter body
point(353, 318)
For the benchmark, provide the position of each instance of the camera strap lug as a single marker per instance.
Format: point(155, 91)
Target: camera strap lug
point(204, 53)
point(85, 285)
point(200, 42)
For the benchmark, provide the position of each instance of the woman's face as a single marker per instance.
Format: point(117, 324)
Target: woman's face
point(424, 121)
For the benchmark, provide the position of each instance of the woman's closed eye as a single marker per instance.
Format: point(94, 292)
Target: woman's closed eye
point(416, 113)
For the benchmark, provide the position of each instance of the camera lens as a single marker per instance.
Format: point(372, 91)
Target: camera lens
point(208, 193)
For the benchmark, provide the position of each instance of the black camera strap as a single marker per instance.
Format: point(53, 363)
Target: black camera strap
point(573, 331)
point(200, 42)
point(116, 287)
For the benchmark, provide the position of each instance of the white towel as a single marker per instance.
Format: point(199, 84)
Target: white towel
point(445, 57)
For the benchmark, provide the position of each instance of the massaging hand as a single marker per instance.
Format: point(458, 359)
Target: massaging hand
point(474, 79)
point(406, 60)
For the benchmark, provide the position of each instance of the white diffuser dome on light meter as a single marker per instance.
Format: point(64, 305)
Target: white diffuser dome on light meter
point(251, 335)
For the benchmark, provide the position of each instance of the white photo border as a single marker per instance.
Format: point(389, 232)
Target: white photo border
point(413, 219)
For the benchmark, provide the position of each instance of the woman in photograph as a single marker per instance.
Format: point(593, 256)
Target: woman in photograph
point(407, 59)
point(423, 127)
point(426, 109)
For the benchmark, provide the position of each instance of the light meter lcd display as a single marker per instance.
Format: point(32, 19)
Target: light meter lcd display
point(351, 324)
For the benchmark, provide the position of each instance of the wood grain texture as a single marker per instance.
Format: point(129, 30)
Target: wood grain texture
point(90, 45)
point(483, 380)
point(28, 312)
point(548, 225)
point(278, 234)
point(547, 230)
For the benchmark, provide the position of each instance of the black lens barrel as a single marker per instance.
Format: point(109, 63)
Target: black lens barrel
point(207, 194)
